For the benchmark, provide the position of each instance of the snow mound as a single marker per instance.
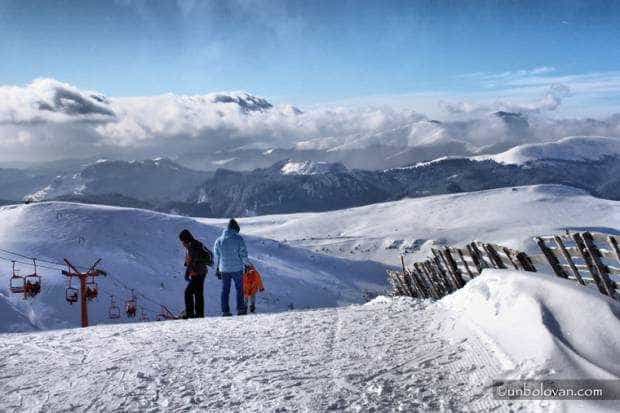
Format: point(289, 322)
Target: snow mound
point(576, 148)
point(141, 249)
point(544, 325)
point(311, 168)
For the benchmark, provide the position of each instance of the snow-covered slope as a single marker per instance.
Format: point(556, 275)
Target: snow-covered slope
point(575, 148)
point(381, 232)
point(388, 355)
point(141, 248)
point(149, 179)
point(311, 168)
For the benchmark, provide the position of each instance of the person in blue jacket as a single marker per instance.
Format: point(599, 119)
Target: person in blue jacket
point(231, 260)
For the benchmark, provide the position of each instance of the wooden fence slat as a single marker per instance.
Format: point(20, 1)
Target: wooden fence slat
point(552, 260)
point(454, 269)
point(437, 279)
point(526, 262)
point(510, 257)
point(443, 262)
point(465, 265)
point(494, 256)
point(587, 257)
point(433, 289)
point(569, 260)
point(608, 284)
point(475, 258)
point(436, 264)
point(613, 243)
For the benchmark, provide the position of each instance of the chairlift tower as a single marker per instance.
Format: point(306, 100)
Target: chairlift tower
point(83, 277)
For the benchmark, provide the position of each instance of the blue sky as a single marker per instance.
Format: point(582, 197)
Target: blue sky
point(306, 52)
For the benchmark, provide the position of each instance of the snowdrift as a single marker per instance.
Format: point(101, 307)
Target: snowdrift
point(381, 232)
point(542, 326)
point(141, 248)
point(574, 148)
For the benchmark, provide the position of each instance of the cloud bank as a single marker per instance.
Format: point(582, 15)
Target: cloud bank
point(48, 119)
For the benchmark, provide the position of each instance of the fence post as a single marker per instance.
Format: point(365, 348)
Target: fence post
point(613, 243)
point(462, 257)
point(526, 262)
point(596, 255)
point(551, 258)
point(587, 257)
point(509, 255)
point(444, 275)
point(456, 273)
point(494, 256)
point(569, 260)
point(481, 262)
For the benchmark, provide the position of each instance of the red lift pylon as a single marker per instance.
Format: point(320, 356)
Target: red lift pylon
point(83, 277)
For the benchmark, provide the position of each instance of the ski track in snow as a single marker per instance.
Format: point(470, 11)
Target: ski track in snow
point(383, 356)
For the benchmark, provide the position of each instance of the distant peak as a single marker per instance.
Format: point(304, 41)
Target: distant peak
point(245, 101)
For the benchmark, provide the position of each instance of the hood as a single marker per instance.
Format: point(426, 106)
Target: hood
point(229, 233)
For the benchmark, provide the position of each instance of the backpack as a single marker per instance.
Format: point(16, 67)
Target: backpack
point(205, 256)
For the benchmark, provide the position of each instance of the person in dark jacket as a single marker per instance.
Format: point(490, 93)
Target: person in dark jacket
point(231, 259)
point(195, 274)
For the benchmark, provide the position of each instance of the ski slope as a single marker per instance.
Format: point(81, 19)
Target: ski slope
point(141, 249)
point(381, 232)
point(392, 354)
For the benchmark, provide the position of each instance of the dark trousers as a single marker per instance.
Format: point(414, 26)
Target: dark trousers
point(227, 279)
point(194, 298)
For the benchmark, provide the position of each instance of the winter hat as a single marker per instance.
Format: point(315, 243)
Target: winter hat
point(186, 236)
point(232, 224)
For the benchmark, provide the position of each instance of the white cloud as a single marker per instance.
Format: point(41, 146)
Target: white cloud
point(550, 101)
point(48, 119)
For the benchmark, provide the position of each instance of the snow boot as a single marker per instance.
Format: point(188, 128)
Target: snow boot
point(226, 315)
point(252, 308)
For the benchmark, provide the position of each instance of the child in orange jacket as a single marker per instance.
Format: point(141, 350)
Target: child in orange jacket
point(252, 283)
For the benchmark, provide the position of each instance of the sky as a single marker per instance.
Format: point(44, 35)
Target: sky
point(82, 77)
point(308, 52)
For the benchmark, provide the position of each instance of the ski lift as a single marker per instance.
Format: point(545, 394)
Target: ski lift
point(92, 291)
point(131, 306)
point(114, 311)
point(32, 282)
point(17, 283)
point(71, 294)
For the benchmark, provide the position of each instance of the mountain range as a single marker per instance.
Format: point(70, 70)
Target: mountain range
point(588, 163)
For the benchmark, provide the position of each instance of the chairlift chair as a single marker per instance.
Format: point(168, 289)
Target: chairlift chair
point(114, 312)
point(32, 282)
point(17, 283)
point(71, 294)
point(92, 290)
point(131, 306)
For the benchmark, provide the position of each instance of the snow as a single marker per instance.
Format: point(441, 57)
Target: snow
point(575, 148)
point(509, 306)
point(381, 232)
point(141, 248)
point(310, 168)
point(392, 354)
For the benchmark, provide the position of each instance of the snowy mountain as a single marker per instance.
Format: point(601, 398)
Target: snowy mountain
point(382, 232)
point(270, 191)
point(141, 249)
point(575, 148)
point(157, 179)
